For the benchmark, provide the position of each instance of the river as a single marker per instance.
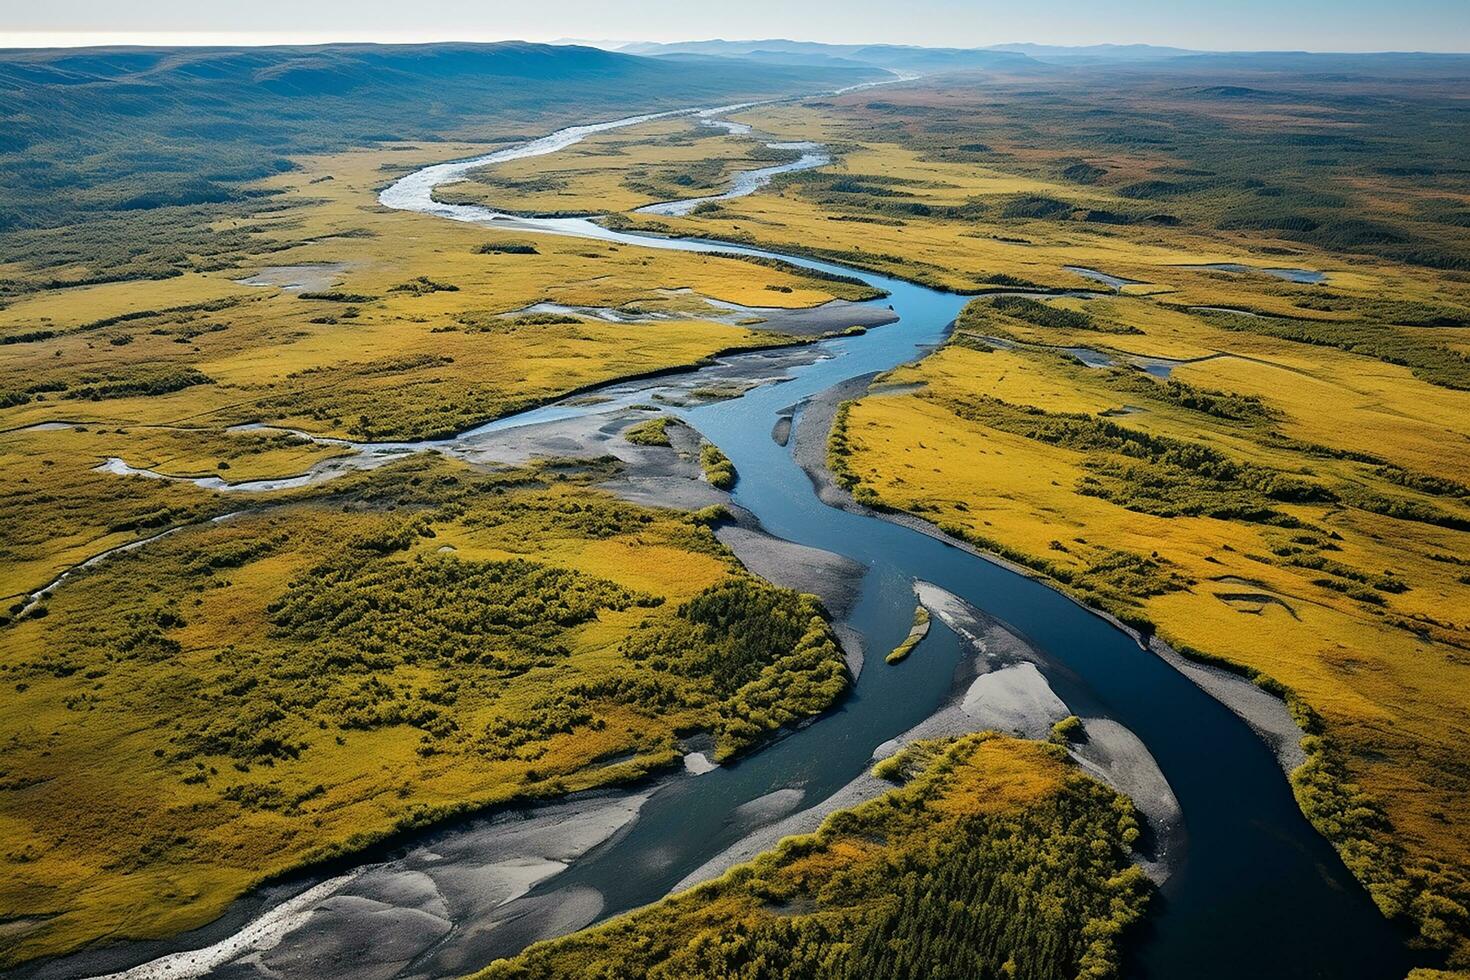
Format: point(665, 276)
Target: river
point(1256, 892)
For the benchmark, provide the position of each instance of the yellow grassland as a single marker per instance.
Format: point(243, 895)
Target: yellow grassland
point(405, 366)
point(1388, 680)
point(108, 831)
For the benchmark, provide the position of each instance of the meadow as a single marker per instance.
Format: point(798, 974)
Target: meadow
point(1267, 474)
point(334, 666)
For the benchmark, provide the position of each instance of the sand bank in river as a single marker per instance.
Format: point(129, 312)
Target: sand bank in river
point(1001, 688)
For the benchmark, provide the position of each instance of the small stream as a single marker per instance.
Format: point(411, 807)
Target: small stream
point(1256, 893)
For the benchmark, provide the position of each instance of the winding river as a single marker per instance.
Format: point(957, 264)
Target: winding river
point(1255, 891)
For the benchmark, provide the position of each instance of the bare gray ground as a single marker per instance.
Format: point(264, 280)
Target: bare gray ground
point(296, 278)
point(386, 919)
point(832, 578)
point(389, 919)
point(814, 321)
point(833, 316)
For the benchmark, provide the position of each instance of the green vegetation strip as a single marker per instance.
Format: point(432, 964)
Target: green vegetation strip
point(653, 432)
point(917, 632)
point(718, 469)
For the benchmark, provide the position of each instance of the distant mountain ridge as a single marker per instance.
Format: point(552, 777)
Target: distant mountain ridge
point(894, 57)
point(1095, 53)
point(322, 68)
point(1035, 57)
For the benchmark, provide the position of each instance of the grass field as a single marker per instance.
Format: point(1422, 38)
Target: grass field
point(1289, 511)
point(321, 671)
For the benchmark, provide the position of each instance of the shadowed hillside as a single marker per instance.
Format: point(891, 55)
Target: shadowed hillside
point(138, 128)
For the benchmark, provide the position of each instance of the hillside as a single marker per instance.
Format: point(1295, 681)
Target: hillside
point(136, 128)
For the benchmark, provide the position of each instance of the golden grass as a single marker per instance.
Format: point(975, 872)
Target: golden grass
point(404, 366)
point(113, 827)
point(1386, 677)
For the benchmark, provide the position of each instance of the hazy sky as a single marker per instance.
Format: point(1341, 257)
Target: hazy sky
point(1316, 25)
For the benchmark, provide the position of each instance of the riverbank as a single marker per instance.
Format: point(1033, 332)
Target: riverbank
point(997, 688)
point(1267, 715)
point(983, 822)
point(1252, 840)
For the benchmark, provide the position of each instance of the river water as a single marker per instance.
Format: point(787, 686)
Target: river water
point(1258, 893)
point(1255, 893)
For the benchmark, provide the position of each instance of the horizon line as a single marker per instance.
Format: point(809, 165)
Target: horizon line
point(60, 40)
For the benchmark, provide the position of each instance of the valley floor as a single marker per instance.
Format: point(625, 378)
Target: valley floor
point(1267, 473)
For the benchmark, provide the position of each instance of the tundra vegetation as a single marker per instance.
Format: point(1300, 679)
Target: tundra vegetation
point(652, 432)
point(1288, 513)
point(996, 857)
point(344, 662)
point(336, 665)
point(1269, 475)
point(718, 469)
point(916, 633)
